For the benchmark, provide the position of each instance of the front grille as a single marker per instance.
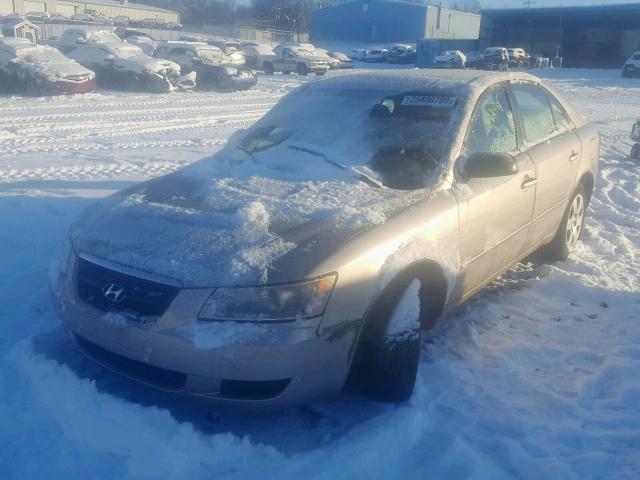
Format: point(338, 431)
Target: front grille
point(252, 390)
point(155, 376)
point(142, 299)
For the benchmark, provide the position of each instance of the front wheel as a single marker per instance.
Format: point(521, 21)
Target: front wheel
point(635, 151)
point(568, 234)
point(301, 69)
point(268, 68)
point(390, 348)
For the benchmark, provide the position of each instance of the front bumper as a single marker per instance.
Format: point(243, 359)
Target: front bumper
point(258, 366)
point(63, 87)
point(630, 71)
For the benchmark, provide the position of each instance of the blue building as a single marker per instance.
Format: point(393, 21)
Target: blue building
point(391, 21)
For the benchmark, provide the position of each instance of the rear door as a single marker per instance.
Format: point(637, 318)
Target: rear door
point(555, 149)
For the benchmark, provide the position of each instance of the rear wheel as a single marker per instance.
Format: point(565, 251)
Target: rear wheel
point(268, 68)
point(320, 73)
point(570, 229)
point(635, 151)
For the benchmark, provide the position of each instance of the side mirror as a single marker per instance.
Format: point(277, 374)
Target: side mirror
point(485, 165)
point(81, 41)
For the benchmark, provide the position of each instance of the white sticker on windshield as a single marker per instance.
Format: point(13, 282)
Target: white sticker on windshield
point(428, 101)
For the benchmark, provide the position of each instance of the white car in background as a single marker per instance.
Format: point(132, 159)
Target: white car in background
point(632, 66)
point(37, 16)
point(334, 63)
point(376, 55)
point(125, 66)
point(256, 55)
point(82, 18)
point(296, 58)
point(72, 38)
point(147, 45)
point(345, 61)
point(450, 59)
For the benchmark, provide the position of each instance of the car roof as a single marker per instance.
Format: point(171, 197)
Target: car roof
point(420, 80)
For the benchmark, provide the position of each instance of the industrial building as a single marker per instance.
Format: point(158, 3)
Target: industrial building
point(108, 8)
point(588, 36)
point(391, 21)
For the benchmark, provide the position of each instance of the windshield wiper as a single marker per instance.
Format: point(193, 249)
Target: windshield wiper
point(359, 175)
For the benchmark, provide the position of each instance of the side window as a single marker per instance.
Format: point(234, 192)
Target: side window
point(535, 110)
point(492, 128)
point(560, 116)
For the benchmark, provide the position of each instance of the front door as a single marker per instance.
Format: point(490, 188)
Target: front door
point(495, 213)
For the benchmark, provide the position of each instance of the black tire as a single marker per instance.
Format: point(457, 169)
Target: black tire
point(321, 73)
point(286, 72)
point(635, 151)
point(387, 368)
point(268, 68)
point(570, 228)
point(301, 69)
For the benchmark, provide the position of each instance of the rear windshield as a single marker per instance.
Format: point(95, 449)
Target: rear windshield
point(401, 138)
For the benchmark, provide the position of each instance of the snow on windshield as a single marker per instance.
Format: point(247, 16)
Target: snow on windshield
point(403, 143)
point(210, 55)
point(41, 54)
point(103, 36)
point(129, 51)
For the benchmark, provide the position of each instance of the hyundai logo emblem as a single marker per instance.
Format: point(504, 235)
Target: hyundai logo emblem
point(114, 293)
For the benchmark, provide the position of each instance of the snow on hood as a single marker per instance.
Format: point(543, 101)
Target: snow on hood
point(49, 62)
point(227, 221)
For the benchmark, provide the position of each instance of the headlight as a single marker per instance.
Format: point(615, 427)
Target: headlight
point(270, 303)
point(231, 70)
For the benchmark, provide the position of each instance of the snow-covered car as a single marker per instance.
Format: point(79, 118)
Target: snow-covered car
point(154, 22)
point(147, 45)
point(82, 18)
point(294, 58)
point(474, 59)
point(324, 241)
point(358, 54)
point(256, 56)
point(37, 16)
point(103, 20)
point(74, 37)
point(333, 63)
point(231, 49)
point(401, 53)
point(375, 55)
point(345, 61)
point(125, 66)
point(40, 70)
point(450, 59)
point(631, 67)
point(210, 65)
point(58, 18)
point(495, 58)
point(121, 20)
point(517, 57)
point(174, 25)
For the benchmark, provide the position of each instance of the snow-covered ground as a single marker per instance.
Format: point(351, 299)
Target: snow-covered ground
point(536, 377)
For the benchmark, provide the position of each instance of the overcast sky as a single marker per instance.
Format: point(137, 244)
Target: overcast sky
point(550, 3)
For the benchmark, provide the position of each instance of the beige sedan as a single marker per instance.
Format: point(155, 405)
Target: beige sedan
point(320, 244)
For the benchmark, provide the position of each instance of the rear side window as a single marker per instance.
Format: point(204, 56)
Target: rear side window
point(535, 110)
point(636, 56)
point(560, 116)
point(492, 128)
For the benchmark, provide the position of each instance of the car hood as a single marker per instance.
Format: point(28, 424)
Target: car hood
point(215, 223)
point(144, 63)
point(62, 70)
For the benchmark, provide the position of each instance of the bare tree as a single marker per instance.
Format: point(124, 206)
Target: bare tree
point(288, 14)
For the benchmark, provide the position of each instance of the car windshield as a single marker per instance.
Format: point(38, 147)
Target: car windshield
point(41, 55)
point(210, 55)
point(399, 139)
point(103, 36)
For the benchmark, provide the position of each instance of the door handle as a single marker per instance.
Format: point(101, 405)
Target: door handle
point(528, 182)
point(573, 157)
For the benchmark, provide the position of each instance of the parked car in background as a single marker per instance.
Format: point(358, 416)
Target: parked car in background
point(345, 61)
point(192, 38)
point(294, 58)
point(103, 20)
point(74, 37)
point(174, 25)
point(124, 32)
point(450, 59)
point(358, 54)
point(147, 45)
point(209, 64)
point(631, 67)
point(375, 55)
point(517, 57)
point(323, 242)
point(474, 59)
point(495, 58)
point(58, 18)
point(40, 70)
point(121, 20)
point(401, 53)
point(124, 66)
point(153, 22)
point(82, 18)
point(256, 56)
point(38, 16)
point(333, 63)
point(231, 48)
